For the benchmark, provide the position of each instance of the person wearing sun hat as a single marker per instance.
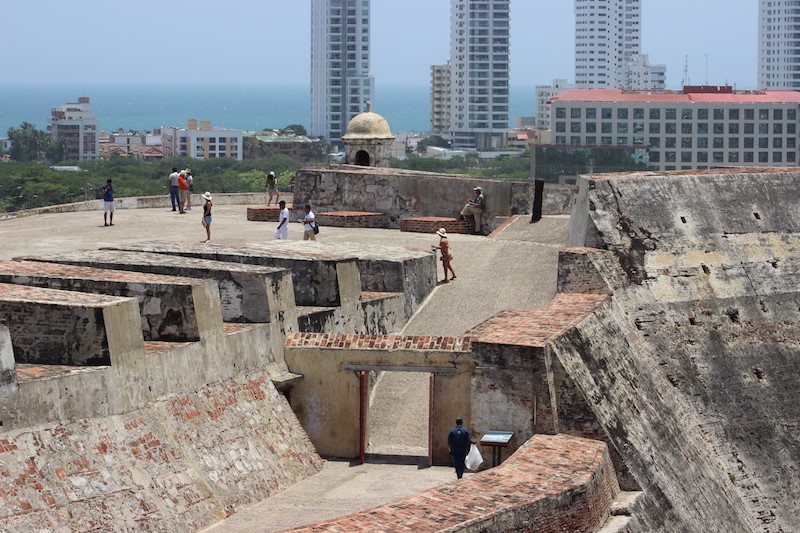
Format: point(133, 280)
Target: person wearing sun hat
point(475, 208)
point(207, 214)
point(447, 256)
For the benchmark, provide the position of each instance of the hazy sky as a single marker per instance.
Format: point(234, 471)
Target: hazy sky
point(267, 41)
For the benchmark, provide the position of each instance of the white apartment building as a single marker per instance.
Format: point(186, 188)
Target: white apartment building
point(341, 82)
point(608, 46)
point(779, 44)
point(199, 140)
point(543, 94)
point(701, 127)
point(76, 126)
point(440, 98)
point(479, 73)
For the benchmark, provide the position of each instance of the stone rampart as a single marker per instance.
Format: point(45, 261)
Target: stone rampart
point(247, 293)
point(176, 464)
point(66, 328)
point(166, 303)
point(140, 202)
point(318, 279)
point(551, 484)
point(699, 354)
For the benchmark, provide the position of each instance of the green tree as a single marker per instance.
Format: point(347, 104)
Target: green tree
point(297, 129)
point(28, 143)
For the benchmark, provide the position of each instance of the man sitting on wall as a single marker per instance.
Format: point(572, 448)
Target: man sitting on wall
point(475, 208)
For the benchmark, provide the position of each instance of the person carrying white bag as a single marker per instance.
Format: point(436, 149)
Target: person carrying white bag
point(460, 441)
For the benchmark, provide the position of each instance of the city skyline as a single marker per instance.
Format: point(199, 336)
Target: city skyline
point(267, 42)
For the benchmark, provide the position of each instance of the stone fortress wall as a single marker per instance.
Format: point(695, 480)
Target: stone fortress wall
point(666, 365)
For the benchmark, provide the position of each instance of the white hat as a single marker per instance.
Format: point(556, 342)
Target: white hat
point(271, 173)
point(207, 195)
point(442, 233)
point(477, 189)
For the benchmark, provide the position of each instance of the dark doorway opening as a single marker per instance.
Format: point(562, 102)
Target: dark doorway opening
point(362, 158)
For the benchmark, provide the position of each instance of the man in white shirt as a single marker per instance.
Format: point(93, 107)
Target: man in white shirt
point(282, 231)
point(308, 225)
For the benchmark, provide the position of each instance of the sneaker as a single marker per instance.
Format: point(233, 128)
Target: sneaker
point(105, 224)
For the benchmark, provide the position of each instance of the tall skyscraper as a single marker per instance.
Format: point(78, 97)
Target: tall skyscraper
point(440, 98)
point(608, 47)
point(341, 82)
point(479, 79)
point(779, 44)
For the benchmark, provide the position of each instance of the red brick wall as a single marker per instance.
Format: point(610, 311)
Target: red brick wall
point(432, 225)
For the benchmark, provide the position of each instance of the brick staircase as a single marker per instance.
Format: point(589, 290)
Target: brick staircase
point(353, 219)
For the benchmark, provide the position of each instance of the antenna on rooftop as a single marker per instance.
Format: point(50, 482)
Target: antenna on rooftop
point(686, 80)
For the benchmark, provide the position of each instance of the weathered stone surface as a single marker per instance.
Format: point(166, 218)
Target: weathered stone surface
point(166, 303)
point(314, 271)
point(174, 465)
point(248, 293)
point(709, 364)
point(8, 371)
point(61, 327)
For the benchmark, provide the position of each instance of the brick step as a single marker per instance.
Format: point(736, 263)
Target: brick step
point(432, 225)
point(269, 213)
point(33, 372)
point(353, 219)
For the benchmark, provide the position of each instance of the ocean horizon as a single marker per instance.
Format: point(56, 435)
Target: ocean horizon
point(243, 107)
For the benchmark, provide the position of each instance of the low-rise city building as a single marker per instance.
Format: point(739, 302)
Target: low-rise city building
point(199, 140)
point(697, 128)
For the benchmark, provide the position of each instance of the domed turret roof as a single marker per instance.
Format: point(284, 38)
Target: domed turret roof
point(368, 125)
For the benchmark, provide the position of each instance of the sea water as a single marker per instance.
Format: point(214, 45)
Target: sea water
point(243, 107)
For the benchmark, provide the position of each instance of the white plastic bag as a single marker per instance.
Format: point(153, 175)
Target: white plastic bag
point(474, 458)
point(277, 234)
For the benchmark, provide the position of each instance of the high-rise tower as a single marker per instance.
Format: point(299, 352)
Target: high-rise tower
point(341, 82)
point(778, 44)
point(479, 79)
point(608, 47)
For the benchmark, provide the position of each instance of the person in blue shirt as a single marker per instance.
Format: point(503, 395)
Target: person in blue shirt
point(108, 191)
point(459, 441)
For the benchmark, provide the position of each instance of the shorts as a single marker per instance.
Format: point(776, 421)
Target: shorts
point(272, 190)
point(108, 207)
point(207, 220)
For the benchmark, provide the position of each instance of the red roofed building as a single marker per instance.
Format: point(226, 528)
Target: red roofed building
point(700, 127)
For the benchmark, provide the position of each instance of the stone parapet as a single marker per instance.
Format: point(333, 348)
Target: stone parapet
point(247, 293)
point(551, 484)
point(166, 303)
point(61, 327)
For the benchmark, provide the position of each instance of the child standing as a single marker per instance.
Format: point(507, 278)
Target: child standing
point(444, 247)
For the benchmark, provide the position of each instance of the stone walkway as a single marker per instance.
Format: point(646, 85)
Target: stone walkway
point(513, 270)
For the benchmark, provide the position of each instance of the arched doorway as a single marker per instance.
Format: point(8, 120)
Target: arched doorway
point(362, 158)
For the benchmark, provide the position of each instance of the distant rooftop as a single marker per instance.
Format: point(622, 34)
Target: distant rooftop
point(712, 94)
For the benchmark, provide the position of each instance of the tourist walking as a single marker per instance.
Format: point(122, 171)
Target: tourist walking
point(475, 207)
point(207, 214)
point(282, 231)
point(272, 187)
point(447, 255)
point(108, 191)
point(459, 440)
point(309, 225)
point(172, 183)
